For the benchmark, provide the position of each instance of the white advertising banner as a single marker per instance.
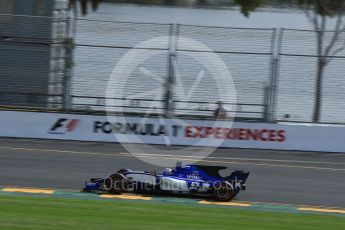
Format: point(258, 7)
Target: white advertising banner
point(325, 138)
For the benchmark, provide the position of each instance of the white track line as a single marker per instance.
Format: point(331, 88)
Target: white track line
point(175, 158)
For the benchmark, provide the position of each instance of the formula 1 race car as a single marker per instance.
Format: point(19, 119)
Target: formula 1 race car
point(189, 179)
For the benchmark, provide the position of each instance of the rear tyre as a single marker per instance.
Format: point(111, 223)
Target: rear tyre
point(116, 183)
point(224, 191)
point(86, 190)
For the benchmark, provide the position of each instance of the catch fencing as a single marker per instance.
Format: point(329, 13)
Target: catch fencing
point(170, 75)
point(297, 71)
point(273, 71)
point(34, 61)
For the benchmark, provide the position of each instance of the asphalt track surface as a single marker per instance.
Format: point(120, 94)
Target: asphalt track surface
point(301, 178)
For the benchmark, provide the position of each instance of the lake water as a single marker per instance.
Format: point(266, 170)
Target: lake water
point(230, 17)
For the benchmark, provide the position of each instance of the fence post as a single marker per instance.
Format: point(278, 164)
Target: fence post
point(267, 97)
point(67, 77)
point(169, 104)
point(68, 47)
point(271, 104)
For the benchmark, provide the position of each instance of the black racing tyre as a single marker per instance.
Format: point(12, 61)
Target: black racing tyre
point(116, 183)
point(224, 191)
point(86, 190)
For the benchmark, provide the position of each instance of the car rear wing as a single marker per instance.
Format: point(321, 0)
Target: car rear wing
point(238, 179)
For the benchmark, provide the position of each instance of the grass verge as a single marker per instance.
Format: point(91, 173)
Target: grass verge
point(50, 213)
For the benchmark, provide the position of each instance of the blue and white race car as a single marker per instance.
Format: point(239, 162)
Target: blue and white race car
point(189, 179)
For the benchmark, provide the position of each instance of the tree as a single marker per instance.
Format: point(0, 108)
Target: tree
point(248, 6)
point(84, 5)
point(318, 13)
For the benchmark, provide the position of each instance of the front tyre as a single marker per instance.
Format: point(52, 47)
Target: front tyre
point(224, 191)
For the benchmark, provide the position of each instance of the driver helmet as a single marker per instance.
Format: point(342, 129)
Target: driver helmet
point(167, 171)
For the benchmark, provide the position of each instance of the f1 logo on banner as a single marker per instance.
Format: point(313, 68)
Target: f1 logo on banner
point(63, 125)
